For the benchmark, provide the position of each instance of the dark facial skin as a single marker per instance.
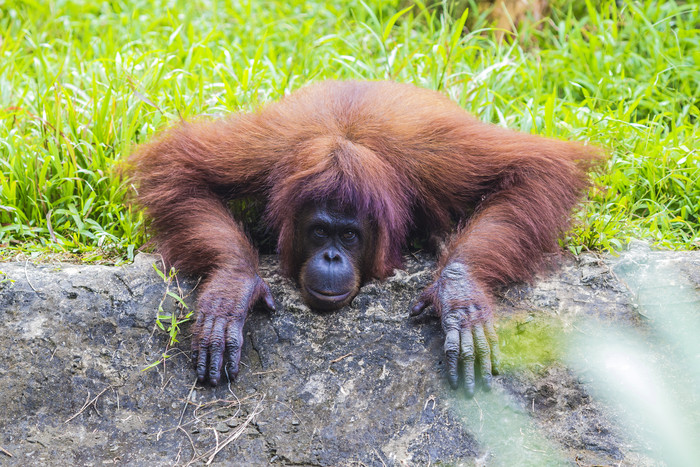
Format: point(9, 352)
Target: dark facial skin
point(332, 245)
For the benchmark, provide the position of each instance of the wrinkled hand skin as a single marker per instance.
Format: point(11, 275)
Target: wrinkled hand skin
point(218, 331)
point(466, 318)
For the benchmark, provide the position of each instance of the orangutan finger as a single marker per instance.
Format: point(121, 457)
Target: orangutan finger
point(216, 350)
point(466, 355)
point(483, 355)
point(419, 307)
point(265, 294)
point(196, 328)
point(452, 356)
point(234, 344)
point(493, 344)
point(203, 351)
point(424, 301)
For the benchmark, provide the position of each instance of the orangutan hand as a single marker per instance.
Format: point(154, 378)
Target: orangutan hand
point(467, 321)
point(218, 330)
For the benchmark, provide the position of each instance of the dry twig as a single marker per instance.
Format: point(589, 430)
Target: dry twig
point(92, 402)
point(341, 358)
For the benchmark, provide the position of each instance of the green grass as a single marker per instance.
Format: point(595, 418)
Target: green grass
point(82, 82)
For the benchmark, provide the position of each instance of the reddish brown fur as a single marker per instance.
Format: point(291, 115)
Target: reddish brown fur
point(393, 151)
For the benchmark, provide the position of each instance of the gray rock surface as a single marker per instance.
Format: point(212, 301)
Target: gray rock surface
point(361, 386)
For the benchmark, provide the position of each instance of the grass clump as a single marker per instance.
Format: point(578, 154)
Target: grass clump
point(82, 82)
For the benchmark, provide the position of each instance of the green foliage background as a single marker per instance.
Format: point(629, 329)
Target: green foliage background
point(82, 82)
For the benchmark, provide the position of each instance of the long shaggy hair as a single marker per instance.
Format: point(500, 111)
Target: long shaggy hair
point(392, 152)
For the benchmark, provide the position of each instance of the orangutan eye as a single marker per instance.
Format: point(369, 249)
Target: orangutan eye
point(349, 235)
point(320, 232)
